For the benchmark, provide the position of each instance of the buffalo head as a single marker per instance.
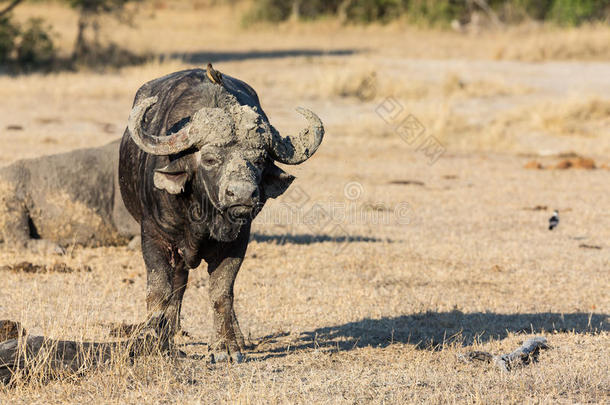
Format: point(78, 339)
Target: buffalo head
point(220, 153)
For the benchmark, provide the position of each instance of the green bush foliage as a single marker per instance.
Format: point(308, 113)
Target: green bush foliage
point(430, 12)
point(98, 6)
point(574, 12)
point(25, 47)
point(269, 10)
point(36, 48)
point(8, 36)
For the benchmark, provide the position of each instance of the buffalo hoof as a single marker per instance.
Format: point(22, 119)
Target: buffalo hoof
point(224, 357)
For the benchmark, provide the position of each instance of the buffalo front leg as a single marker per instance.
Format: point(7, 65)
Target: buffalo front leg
point(223, 269)
point(166, 278)
point(160, 313)
point(179, 283)
point(227, 337)
point(239, 336)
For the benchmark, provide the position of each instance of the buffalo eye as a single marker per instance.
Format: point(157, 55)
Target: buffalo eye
point(209, 161)
point(259, 161)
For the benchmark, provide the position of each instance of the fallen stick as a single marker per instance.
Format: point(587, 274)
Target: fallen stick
point(525, 354)
point(20, 352)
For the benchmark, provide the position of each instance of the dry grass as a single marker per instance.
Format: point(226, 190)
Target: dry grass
point(429, 261)
point(533, 44)
point(589, 118)
point(577, 123)
point(360, 80)
point(455, 86)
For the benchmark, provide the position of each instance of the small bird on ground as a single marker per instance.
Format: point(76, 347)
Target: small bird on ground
point(554, 220)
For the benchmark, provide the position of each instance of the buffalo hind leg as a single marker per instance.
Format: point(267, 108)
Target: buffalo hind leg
point(15, 228)
point(223, 269)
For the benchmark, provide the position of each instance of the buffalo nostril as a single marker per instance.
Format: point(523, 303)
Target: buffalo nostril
point(241, 192)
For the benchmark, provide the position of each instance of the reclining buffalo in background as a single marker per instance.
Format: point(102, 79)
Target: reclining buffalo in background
point(52, 202)
point(196, 166)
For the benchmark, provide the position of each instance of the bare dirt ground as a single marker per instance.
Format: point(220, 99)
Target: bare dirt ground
point(387, 258)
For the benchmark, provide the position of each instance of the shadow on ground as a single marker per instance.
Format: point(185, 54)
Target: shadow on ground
point(204, 57)
point(100, 60)
point(306, 239)
point(115, 57)
point(432, 330)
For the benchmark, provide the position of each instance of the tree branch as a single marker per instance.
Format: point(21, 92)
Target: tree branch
point(10, 7)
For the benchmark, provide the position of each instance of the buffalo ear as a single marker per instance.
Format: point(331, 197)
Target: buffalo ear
point(172, 177)
point(275, 181)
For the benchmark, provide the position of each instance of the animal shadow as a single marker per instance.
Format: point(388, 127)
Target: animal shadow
point(217, 57)
point(305, 239)
point(433, 330)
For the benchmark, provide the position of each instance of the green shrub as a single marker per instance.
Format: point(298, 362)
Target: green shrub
point(36, 48)
point(269, 10)
point(536, 9)
point(8, 36)
point(25, 48)
point(575, 12)
point(374, 10)
point(316, 8)
point(432, 12)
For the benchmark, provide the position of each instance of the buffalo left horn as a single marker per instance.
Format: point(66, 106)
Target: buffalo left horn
point(293, 150)
point(157, 145)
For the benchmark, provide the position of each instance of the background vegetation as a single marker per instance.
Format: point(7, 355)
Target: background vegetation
point(30, 45)
point(433, 12)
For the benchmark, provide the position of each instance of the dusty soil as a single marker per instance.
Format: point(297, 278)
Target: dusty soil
point(390, 255)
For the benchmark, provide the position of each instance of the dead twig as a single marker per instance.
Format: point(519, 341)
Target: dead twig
point(527, 353)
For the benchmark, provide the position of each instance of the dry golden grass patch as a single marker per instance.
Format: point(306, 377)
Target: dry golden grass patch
point(583, 121)
point(454, 86)
point(537, 44)
point(589, 117)
point(359, 80)
point(380, 319)
point(396, 374)
point(363, 81)
point(574, 124)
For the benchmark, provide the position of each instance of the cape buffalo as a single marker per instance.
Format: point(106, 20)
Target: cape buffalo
point(196, 166)
point(54, 201)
